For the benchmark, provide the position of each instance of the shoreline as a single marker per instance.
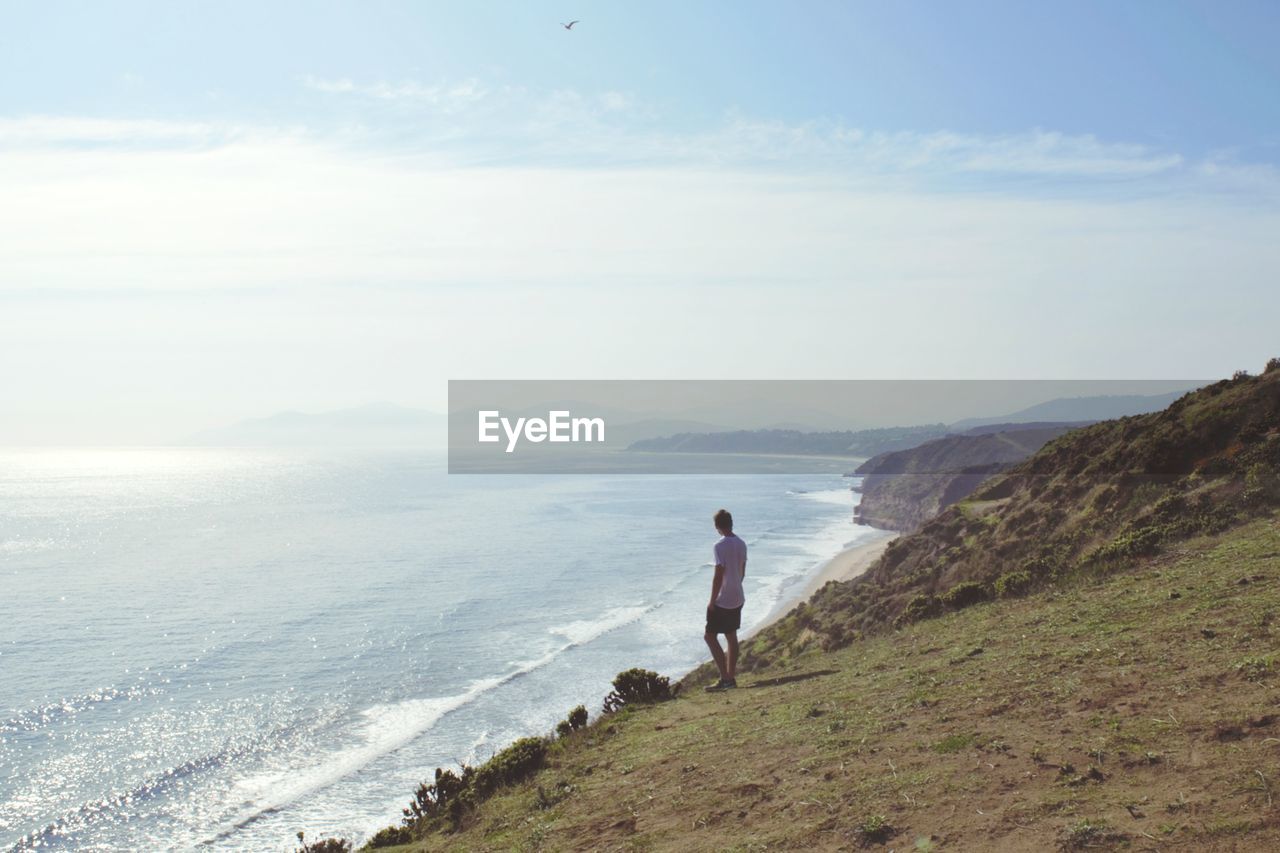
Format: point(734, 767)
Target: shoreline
point(846, 565)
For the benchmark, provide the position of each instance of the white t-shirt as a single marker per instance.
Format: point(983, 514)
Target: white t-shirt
point(731, 552)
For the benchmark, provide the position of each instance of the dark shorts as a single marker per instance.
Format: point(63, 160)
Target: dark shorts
point(722, 620)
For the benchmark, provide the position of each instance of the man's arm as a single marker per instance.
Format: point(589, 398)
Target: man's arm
point(715, 585)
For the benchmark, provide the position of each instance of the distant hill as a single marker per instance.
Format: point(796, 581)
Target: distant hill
point(986, 429)
point(856, 444)
point(372, 425)
point(1076, 409)
point(903, 489)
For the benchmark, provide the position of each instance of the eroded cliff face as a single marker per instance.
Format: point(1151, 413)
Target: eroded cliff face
point(904, 489)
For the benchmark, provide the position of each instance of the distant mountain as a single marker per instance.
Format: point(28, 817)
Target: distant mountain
point(870, 442)
point(627, 433)
point(1076, 409)
point(372, 425)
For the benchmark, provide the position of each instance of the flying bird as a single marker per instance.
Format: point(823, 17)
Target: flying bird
point(569, 25)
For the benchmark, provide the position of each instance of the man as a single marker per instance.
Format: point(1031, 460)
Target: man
point(724, 612)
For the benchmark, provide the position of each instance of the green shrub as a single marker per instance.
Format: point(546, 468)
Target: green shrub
point(577, 719)
point(391, 836)
point(1273, 364)
point(1170, 507)
point(965, 594)
point(876, 830)
point(446, 798)
point(921, 607)
point(324, 845)
point(1013, 584)
point(513, 764)
point(637, 687)
point(1141, 542)
point(451, 795)
point(1261, 484)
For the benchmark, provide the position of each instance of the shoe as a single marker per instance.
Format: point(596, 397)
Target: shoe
point(722, 684)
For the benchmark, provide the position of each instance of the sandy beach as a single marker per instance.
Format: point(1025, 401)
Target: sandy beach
point(846, 565)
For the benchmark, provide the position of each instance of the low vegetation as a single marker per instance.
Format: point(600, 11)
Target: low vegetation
point(1013, 584)
point(323, 845)
point(443, 804)
point(965, 594)
point(637, 687)
point(576, 720)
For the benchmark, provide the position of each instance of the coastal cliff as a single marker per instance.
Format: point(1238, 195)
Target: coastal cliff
point(903, 489)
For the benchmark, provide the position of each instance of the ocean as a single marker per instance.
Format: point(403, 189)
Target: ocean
point(222, 647)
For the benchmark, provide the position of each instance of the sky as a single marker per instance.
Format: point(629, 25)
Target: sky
point(211, 212)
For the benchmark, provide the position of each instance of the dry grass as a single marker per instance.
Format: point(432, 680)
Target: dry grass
point(1140, 712)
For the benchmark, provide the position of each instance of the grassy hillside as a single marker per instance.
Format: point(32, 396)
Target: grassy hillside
point(904, 489)
point(1083, 654)
point(1139, 711)
point(1089, 503)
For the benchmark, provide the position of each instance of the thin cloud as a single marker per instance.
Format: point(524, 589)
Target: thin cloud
point(41, 131)
point(453, 95)
point(288, 208)
point(510, 123)
point(482, 127)
point(574, 188)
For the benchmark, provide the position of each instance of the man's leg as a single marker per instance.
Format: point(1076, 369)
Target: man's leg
point(716, 652)
point(732, 665)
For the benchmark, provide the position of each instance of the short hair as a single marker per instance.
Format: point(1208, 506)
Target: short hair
point(724, 521)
